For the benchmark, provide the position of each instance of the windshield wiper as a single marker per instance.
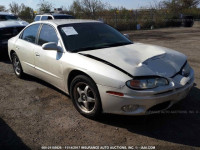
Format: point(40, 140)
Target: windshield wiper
point(119, 44)
point(88, 48)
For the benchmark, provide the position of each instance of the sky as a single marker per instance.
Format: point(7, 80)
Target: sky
point(129, 4)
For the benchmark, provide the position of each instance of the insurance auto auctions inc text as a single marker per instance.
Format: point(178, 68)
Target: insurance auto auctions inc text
point(99, 147)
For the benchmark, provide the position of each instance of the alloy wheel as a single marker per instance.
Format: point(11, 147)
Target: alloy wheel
point(84, 97)
point(16, 65)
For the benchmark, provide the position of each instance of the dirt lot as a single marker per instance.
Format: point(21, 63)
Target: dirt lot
point(34, 113)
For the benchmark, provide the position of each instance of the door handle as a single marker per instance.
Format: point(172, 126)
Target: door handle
point(37, 54)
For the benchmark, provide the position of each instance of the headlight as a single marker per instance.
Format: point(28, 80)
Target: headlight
point(147, 83)
point(186, 70)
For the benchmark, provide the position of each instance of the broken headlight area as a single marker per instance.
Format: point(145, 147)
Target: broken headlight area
point(186, 70)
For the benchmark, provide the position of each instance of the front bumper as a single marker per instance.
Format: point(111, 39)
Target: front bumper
point(142, 101)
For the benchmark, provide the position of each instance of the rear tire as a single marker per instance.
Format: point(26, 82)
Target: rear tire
point(17, 66)
point(85, 97)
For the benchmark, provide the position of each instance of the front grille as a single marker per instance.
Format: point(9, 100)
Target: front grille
point(7, 33)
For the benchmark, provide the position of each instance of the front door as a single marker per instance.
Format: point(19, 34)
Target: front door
point(48, 63)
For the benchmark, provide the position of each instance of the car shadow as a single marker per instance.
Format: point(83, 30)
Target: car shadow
point(42, 82)
point(8, 138)
point(180, 124)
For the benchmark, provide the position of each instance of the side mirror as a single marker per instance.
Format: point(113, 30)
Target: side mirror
point(127, 36)
point(51, 46)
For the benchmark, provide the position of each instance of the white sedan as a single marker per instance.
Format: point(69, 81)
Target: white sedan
point(101, 69)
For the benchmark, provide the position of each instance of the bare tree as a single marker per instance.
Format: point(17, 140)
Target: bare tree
point(26, 13)
point(189, 3)
point(90, 8)
point(2, 8)
point(180, 4)
point(156, 5)
point(45, 6)
point(14, 8)
point(176, 7)
point(76, 7)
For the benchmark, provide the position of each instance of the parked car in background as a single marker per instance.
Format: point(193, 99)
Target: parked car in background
point(10, 25)
point(52, 17)
point(187, 21)
point(101, 69)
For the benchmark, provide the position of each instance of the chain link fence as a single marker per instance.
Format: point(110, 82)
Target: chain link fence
point(143, 19)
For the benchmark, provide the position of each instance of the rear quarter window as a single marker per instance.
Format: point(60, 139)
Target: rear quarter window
point(30, 33)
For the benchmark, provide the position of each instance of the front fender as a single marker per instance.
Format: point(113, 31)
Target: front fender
point(101, 73)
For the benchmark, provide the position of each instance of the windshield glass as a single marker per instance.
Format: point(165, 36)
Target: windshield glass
point(8, 17)
point(89, 36)
point(63, 17)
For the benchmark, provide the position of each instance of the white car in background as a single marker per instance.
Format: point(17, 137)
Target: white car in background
point(52, 16)
point(10, 26)
point(101, 69)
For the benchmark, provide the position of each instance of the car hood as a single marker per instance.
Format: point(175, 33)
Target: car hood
point(13, 23)
point(141, 59)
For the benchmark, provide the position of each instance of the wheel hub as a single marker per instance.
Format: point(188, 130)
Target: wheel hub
point(83, 97)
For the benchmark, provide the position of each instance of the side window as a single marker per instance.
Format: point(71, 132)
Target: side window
point(37, 18)
point(49, 18)
point(47, 34)
point(30, 33)
point(44, 18)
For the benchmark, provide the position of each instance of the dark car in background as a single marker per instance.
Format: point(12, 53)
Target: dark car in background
point(187, 21)
point(10, 26)
point(52, 16)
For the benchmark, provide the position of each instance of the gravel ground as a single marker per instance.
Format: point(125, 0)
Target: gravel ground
point(34, 113)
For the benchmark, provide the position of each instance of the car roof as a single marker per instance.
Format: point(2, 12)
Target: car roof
point(58, 22)
point(60, 15)
point(54, 14)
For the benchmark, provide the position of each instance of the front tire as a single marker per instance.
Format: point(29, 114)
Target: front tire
point(85, 97)
point(17, 66)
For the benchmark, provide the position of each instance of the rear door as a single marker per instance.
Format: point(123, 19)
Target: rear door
point(48, 62)
point(25, 48)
